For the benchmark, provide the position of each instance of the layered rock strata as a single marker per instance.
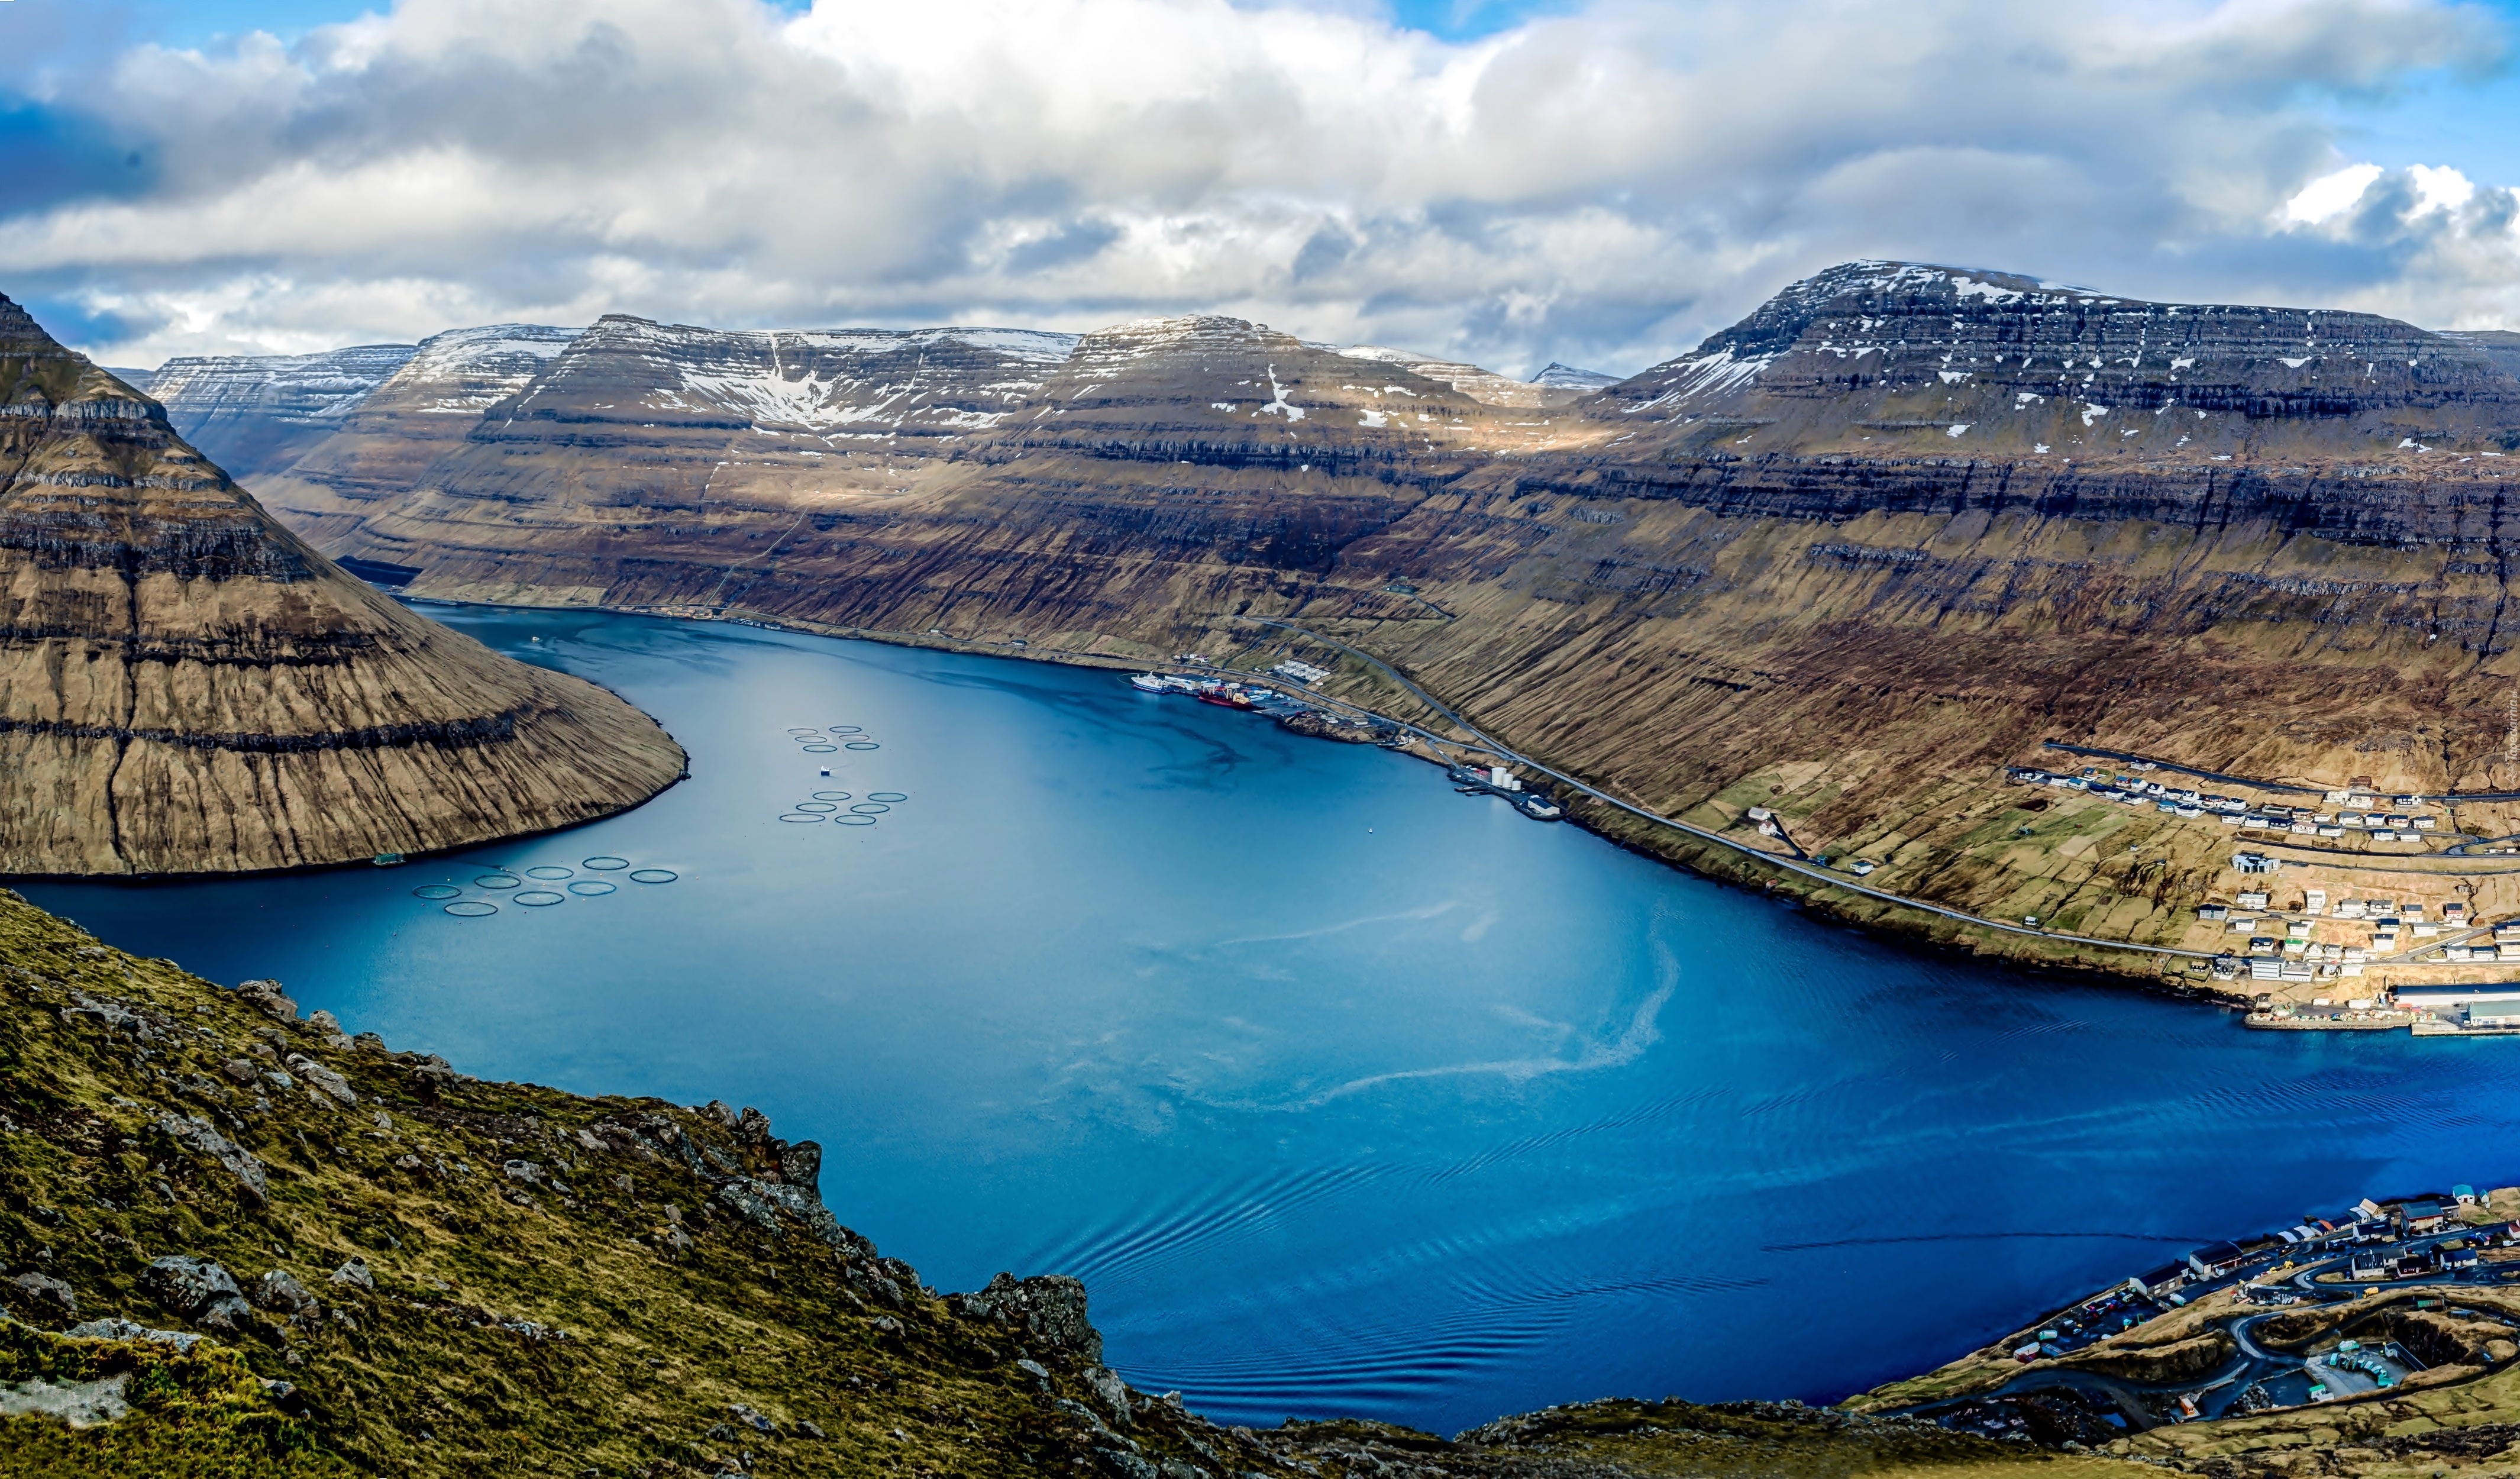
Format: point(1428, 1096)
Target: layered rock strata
point(1846, 559)
point(186, 687)
point(254, 414)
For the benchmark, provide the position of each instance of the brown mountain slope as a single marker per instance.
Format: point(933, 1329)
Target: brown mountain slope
point(2263, 541)
point(186, 687)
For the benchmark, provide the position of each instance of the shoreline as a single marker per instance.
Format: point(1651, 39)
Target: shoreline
point(2262, 1331)
point(1707, 854)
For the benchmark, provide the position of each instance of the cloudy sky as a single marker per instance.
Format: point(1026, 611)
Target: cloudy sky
point(1507, 181)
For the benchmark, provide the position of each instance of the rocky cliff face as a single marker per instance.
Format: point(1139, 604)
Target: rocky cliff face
point(424, 410)
point(1847, 558)
point(186, 687)
point(256, 414)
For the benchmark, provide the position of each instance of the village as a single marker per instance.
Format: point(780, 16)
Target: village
point(2390, 1295)
point(2314, 958)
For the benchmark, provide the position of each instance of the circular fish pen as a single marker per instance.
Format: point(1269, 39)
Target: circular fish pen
point(887, 797)
point(832, 796)
point(855, 821)
point(592, 888)
point(869, 808)
point(864, 745)
point(797, 817)
point(540, 898)
point(655, 875)
point(550, 874)
point(499, 880)
point(438, 891)
point(471, 908)
point(606, 865)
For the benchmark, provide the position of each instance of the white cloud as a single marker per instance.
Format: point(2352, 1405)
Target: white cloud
point(2331, 195)
point(2439, 188)
point(1602, 186)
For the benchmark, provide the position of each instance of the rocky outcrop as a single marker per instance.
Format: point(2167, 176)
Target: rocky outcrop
point(198, 1290)
point(186, 687)
point(1049, 1309)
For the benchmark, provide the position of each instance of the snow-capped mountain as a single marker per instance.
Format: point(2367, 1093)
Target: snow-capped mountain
point(254, 414)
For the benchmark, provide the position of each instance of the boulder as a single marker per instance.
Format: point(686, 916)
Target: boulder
point(198, 1288)
point(194, 1133)
point(132, 1330)
point(82, 1403)
point(280, 1291)
point(267, 997)
point(46, 1290)
point(355, 1272)
point(800, 1165)
point(323, 1080)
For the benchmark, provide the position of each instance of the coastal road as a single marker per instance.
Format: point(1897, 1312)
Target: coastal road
point(2185, 770)
point(2444, 798)
point(2249, 1361)
point(1817, 875)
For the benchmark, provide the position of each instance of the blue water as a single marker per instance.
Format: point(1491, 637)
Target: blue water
point(1343, 1092)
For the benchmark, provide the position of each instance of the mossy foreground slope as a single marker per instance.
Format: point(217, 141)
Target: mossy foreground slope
point(237, 1243)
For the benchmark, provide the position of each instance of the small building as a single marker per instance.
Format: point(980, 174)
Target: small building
point(2421, 1216)
point(2214, 1260)
point(2371, 1265)
point(2463, 1194)
point(2214, 912)
point(2165, 1279)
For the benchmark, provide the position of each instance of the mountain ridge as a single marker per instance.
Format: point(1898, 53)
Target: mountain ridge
point(186, 686)
point(1765, 572)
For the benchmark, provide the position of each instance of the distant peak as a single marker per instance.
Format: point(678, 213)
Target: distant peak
point(1561, 377)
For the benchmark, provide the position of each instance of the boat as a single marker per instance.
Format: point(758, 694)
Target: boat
point(1227, 694)
point(1152, 683)
point(386, 859)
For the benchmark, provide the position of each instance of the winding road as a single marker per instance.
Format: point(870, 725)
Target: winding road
point(1835, 880)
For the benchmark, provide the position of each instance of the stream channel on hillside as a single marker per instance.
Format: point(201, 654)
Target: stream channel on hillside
point(1343, 1092)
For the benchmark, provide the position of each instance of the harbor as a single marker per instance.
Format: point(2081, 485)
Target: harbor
point(1244, 691)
